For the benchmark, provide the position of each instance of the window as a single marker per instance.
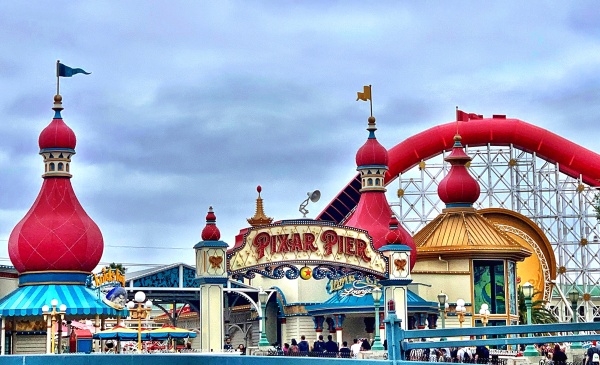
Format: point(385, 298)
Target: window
point(489, 285)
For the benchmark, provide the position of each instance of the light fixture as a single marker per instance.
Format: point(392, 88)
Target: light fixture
point(262, 299)
point(485, 313)
point(139, 311)
point(54, 315)
point(528, 290)
point(376, 293)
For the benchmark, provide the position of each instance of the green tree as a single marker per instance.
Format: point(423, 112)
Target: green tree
point(119, 267)
point(596, 205)
point(539, 313)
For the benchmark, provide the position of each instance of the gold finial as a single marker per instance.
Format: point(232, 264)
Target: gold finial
point(259, 219)
point(57, 103)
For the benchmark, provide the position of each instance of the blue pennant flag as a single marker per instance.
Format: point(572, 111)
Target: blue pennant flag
point(66, 71)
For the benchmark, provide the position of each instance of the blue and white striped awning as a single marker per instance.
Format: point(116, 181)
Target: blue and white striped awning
point(80, 301)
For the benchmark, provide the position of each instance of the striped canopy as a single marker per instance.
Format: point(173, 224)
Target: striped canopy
point(122, 334)
point(80, 301)
point(168, 332)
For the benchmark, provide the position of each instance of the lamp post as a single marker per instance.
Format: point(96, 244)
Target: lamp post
point(443, 299)
point(139, 310)
point(574, 297)
point(376, 293)
point(460, 312)
point(262, 299)
point(52, 315)
point(528, 294)
point(484, 312)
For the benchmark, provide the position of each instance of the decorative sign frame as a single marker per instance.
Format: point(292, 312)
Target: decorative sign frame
point(276, 251)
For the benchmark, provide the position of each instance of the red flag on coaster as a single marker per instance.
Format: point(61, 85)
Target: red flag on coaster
point(461, 116)
point(465, 117)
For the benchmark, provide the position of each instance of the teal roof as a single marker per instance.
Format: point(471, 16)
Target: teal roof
point(355, 304)
point(80, 300)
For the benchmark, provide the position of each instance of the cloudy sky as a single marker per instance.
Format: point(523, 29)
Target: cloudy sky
point(195, 103)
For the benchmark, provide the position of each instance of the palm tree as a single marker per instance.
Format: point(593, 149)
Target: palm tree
point(119, 267)
point(540, 314)
point(596, 205)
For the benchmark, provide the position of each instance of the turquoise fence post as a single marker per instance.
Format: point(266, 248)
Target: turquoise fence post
point(393, 333)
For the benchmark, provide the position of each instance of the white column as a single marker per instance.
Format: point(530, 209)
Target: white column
point(211, 318)
point(48, 333)
point(398, 294)
point(339, 338)
point(3, 336)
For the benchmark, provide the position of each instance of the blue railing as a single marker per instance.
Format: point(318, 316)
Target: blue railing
point(403, 343)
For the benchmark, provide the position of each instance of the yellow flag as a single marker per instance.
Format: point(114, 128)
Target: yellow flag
point(365, 95)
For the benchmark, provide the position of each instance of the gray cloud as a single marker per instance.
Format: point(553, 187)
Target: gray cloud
point(194, 104)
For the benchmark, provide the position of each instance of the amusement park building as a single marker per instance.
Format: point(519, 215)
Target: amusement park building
point(54, 249)
point(319, 274)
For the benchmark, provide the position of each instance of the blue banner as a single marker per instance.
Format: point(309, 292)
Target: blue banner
point(66, 71)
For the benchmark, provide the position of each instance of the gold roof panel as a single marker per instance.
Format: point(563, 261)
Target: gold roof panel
point(460, 231)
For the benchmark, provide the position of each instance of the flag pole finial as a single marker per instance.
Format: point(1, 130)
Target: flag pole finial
point(57, 103)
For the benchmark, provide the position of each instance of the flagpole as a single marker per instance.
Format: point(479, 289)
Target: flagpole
point(371, 99)
point(57, 79)
point(456, 120)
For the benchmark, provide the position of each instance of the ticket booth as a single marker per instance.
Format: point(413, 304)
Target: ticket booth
point(80, 341)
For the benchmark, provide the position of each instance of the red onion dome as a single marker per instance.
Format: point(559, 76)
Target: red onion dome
point(210, 231)
point(56, 233)
point(57, 134)
point(372, 152)
point(395, 235)
point(458, 188)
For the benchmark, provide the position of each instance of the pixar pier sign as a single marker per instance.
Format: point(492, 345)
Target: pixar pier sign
point(307, 243)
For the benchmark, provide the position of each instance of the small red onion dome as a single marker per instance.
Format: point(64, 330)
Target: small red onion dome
point(458, 187)
point(395, 235)
point(372, 152)
point(57, 134)
point(210, 231)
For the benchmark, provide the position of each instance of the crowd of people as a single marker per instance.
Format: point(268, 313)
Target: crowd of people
point(229, 347)
point(322, 348)
point(481, 354)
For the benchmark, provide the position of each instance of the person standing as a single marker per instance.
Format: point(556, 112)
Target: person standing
point(227, 346)
point(593, 355)
point(355, 348)
point(303, 345)
point(482, 355)
point(331, 347)
point(319, 345)
point(345, 352)
point(558, 356)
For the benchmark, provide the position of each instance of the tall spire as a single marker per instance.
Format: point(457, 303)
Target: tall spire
point(259, 219)
point(56, 234)
point(373, 211)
